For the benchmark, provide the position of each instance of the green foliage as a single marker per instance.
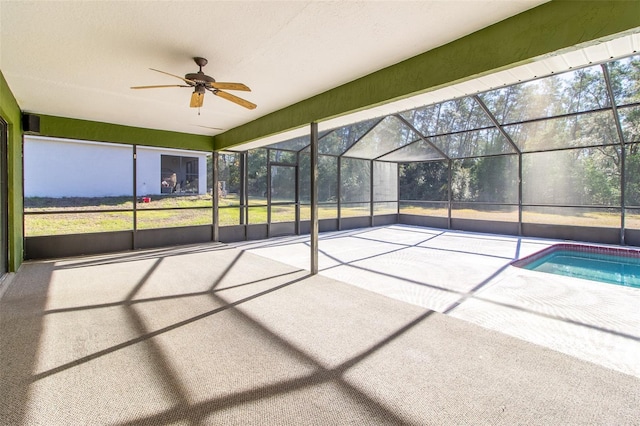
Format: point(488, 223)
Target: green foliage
point(492, 179)
point(625, 80)
point(283, 183)
point(341, 139)
point(257, 173)
point(327, 178)
point(355, 180)
point(588, 176)
point(424, 181)
point(229, 173)
point(632, 172)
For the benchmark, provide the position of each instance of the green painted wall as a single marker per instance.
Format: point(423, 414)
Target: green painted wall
point(547, 28)
point(10, 112)
point(104, 132)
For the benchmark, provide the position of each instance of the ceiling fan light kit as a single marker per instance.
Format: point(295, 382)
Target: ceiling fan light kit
point(200, 82)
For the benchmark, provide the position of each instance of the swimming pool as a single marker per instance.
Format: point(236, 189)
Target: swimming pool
point(609, 265)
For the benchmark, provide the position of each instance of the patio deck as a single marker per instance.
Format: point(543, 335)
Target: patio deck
point(212, 334)
point(468, 276)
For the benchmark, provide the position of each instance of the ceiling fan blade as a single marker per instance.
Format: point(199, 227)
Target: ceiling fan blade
point(173, 75)
point(230, 86)
point(197, 99)
point(164, 85)
point(235, 99)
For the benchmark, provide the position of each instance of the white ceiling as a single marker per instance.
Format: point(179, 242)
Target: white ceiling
point(591, 53)
point(78, 59)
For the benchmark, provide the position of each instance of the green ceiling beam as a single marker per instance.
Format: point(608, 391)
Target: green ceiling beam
point(547, 28)
point(72, 128)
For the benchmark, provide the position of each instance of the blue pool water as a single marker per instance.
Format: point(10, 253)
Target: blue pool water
point(608, 268)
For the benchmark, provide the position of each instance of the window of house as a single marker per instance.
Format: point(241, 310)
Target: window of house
point(178, 175)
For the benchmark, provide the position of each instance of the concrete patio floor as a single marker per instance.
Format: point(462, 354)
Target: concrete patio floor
point(216, 334)
point(469, 276)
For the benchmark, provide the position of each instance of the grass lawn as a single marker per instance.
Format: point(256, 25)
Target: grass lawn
point(44, 204)
point(174, 218)
point(600, 219)
point(76, 223)
point(190, 212)
point(79, 223)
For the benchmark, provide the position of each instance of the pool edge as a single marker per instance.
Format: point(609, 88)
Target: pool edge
point(583, 248)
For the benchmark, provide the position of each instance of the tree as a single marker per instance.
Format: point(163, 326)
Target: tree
point(424, 181)
point(355, 180)
point(257, 173)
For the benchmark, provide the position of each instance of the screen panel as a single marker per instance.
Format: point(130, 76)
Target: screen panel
point(385, 181)
point(390, 134)
point(587, 176)
point(424, 181)
point(485, 179)
point(355, 180)
point(570, 92)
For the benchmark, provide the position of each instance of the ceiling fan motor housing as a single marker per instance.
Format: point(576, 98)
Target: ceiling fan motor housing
point(200, 77)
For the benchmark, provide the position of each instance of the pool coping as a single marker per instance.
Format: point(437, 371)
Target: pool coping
point(582, 248)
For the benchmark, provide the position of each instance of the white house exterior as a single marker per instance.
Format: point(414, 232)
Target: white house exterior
point(57, 168)
point(151, 170)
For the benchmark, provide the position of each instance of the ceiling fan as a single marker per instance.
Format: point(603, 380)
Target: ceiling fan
point(200, 82)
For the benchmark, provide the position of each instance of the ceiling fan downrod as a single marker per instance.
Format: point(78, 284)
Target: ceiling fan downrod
point(201, 62)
